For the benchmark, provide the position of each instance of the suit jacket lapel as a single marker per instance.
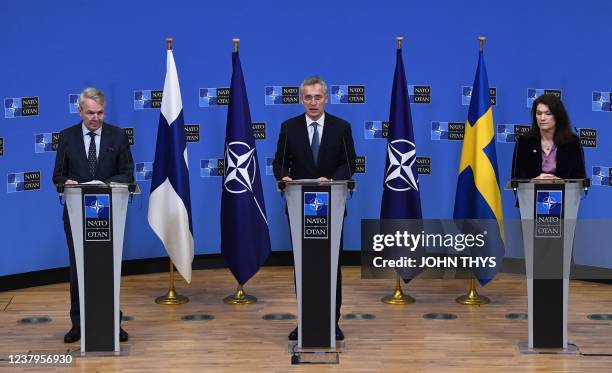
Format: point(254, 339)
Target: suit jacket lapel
point(79, 139)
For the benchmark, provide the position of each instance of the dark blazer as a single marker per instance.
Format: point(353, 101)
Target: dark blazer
point(527, 159)
point(294, 158)
point(114, 159)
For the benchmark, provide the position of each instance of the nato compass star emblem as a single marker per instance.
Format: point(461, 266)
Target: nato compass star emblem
point(400, 174)
point(240, 170)
point(549, 203)
point(96, 206)
point(316, 204)
point(240, 167)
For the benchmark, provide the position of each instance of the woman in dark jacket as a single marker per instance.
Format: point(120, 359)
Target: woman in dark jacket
point(550, 150)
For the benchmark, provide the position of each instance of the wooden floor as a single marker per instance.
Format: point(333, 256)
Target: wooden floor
point(239, 340)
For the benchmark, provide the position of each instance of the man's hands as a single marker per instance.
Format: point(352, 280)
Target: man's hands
point(70, 182)
point(546, 176)
point(287, 178)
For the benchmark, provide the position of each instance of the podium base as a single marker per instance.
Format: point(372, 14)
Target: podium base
point(315, 355)
point(124, 351)
point(523, 347)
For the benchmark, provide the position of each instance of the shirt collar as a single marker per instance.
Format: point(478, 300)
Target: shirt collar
point(86, 130)
point(320, 121)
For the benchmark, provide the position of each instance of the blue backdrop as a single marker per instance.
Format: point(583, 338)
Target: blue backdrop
point(55, 49)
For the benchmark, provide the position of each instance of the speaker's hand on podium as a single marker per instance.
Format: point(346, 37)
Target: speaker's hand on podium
point(70, 182)
point(546, 176)
point(323, 178)
point(286, 178)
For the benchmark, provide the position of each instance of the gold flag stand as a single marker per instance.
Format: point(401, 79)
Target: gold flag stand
point(472, 298)
point(240, 297)
point(398, 297)
point(171, 298)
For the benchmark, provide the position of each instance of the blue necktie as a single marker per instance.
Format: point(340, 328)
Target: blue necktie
point(91, 154)
point(314, 145)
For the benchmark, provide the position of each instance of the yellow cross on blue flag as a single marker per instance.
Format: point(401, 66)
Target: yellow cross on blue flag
point(478, 193)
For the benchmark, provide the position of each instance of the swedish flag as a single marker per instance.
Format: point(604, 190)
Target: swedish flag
point(478, 193)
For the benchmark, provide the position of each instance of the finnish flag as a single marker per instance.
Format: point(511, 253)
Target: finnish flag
point(169, 203)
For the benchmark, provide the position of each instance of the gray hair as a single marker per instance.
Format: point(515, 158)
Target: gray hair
point(312, 80)
point(92, 93)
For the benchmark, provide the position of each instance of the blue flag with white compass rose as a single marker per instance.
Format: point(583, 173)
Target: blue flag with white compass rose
point(245, 239)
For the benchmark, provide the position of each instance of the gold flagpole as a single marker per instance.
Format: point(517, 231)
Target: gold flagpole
point(171, 297)
point(239, 297)
point(398, 297)
point(472, 298)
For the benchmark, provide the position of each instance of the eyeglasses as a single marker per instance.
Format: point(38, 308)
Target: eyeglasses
point(311, 98)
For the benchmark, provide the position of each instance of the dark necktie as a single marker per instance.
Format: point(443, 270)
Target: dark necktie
point(314, 144)
point(91, 154)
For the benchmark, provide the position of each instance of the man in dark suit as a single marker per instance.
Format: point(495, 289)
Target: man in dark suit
point(315, 145)
point(90, 150)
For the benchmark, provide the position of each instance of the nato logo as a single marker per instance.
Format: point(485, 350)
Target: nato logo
point(602, 101)
point(97, 206)
point(375, 129)
point(129, 132)
point(348, 94)
point(23, 181)
point(240, 167)
point(147, 99)
point(359, 165)
point(447, 130)
point(259, 130)
point(20, 107)
point(211, 167)
point(588, 137)
point(549, 202)
point(508, 133)
point(316, 203)
point(401, 174)
point(423, 165)
point(419, 94)
point(214, 97)
point(46, 142)
point(270, 166)
point(601, 176)
point(97, 217)
point(144, 171)
point(533, 93)
point(316, 219)
point(73, 103)
point(282, 95)
point(192, 133)
point(466, 95)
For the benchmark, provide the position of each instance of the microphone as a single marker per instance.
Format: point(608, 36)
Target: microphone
point(513, 183)
point(281, 184)
point(350, 182)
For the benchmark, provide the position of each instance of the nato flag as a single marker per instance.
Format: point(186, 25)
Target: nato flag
point(245, 239)
point(401, 198)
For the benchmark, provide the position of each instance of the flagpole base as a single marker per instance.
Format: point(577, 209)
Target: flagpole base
point(398, 298)
point(472, 298)
point(171, 299)
point(240, 297)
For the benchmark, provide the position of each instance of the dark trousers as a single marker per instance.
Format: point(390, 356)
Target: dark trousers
point(75, 314)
